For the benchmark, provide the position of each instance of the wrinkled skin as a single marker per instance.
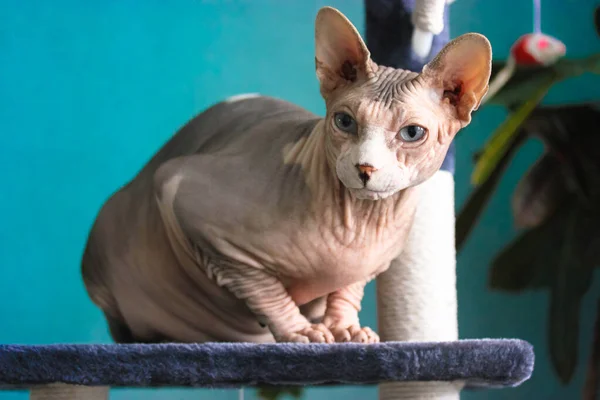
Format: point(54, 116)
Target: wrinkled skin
point(259, 221)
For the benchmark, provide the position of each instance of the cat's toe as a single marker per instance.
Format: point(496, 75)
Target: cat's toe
point(315, 333)
point(364, 335)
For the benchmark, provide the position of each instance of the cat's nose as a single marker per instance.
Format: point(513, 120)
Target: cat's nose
point(365, 171)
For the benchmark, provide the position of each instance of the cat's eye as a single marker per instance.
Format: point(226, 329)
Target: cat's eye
point(412, 133)
point(345, 123)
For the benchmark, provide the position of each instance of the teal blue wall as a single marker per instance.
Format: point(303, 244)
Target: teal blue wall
point(89, 90)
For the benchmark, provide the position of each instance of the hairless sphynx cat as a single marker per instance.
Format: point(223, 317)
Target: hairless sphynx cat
point(260, 221)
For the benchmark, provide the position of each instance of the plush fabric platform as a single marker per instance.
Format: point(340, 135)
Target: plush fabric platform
point(482, 363)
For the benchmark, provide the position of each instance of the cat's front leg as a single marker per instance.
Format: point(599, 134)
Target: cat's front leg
point(266, 296)
point(341, 315)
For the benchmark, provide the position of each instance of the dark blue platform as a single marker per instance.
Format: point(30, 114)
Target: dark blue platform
point(481, 363)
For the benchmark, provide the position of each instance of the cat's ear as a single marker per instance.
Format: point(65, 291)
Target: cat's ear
point(341, 56)
point(461, 73)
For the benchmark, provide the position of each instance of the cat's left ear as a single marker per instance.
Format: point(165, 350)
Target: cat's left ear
point(341, 56)
point(461, 73)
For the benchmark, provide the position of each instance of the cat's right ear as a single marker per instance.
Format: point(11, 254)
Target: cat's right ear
point(341, 56)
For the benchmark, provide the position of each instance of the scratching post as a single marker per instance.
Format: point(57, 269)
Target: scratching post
point(61, 391)
point(416, 297)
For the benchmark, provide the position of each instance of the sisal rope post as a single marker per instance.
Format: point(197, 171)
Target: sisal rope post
point(416, 297)
point(61, 391)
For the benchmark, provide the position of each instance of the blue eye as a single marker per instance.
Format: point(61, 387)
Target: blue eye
point(412, 133)
point(345, 123)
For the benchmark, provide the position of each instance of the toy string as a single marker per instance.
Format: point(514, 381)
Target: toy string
point(537, 18)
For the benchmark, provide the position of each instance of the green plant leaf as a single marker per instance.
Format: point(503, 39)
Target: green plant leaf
point(526, 80)
point(518, 267)
point(566, 134)
point(529, 261)
point(539, 192)
point(479, 197)
point(504, 135)
point(559, 254)
point(574, 271)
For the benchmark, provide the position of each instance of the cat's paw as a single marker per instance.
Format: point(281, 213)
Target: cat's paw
point(355, 334)
point(314, 333)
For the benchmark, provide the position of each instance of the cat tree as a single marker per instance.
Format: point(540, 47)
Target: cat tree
point(421, 356)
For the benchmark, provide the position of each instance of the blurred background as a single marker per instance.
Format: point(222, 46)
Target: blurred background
point(90, 90)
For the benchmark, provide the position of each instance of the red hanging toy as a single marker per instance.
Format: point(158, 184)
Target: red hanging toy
point(531, 49)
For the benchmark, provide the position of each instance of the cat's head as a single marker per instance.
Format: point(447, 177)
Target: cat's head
point(388, 129)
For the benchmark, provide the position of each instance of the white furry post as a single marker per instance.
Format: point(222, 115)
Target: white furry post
point(417, 296)
point(60, 391)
